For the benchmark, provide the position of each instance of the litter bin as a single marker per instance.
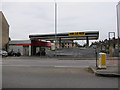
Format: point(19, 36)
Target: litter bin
point(102, 60)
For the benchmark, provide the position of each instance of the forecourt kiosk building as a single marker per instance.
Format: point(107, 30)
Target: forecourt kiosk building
point(63, 40)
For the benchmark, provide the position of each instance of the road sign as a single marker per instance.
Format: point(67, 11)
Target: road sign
point(77, 34)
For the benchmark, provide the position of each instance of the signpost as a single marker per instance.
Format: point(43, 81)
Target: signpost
point(96, 53)
point(111, 45)
point(118, 24)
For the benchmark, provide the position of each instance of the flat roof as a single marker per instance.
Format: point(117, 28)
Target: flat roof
point(92, 35)
point(20, 42)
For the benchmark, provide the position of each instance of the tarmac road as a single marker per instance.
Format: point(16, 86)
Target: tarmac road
point(52, 73)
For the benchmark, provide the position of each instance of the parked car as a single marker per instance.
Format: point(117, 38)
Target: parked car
point(13, 53)
point(3, 53)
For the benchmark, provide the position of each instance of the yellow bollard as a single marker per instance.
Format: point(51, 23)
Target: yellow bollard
point(102, 60)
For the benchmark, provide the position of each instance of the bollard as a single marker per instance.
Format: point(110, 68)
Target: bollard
point(102, 61)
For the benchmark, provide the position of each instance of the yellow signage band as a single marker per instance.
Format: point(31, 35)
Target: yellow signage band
point(77, 34)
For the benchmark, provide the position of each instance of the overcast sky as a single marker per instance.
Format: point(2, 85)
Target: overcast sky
point(27, 18)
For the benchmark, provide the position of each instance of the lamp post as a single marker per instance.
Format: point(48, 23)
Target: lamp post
point(55, 26)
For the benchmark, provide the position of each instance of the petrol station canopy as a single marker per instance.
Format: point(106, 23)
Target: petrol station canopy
point(89, 35)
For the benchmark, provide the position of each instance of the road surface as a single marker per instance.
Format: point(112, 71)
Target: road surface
point(32, 72)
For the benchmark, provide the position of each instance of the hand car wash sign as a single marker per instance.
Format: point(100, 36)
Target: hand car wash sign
point(77, 34)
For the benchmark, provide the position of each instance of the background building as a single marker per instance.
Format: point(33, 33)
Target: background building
point(23, 46)
point(108, 46)
point(4, 32)
point(28, 47)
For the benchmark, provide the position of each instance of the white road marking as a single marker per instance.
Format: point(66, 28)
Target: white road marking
point(17, 65)
point(72, 66)
point(46, 66)
point(28, 65)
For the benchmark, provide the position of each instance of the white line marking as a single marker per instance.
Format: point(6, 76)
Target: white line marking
point(72, 66)
point(28, 65)
point(46, 66)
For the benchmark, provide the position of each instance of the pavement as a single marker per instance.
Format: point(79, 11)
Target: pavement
point(110, 71)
